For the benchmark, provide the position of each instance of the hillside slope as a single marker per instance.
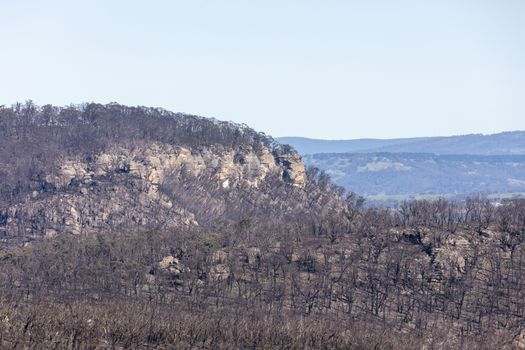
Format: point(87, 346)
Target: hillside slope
point(94, 167)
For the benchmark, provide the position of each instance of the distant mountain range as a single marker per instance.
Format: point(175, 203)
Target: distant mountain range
point(397, 169)
point(396, 176)
point(505, 143)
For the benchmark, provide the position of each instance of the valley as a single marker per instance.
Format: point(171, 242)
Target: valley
point(495, 167)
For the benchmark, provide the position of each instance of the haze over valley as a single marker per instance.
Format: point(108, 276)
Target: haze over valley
point(390, 171)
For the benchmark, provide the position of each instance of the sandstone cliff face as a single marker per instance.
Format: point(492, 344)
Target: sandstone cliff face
point(93, 167)
point(294, 169)
point(123, 187)
point(155, 162)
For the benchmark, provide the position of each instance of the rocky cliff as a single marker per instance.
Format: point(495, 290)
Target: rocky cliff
point(128, 180)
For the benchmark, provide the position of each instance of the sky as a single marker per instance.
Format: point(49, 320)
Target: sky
point(321, 69)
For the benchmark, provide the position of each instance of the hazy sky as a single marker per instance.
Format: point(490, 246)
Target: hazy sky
point(325, 69)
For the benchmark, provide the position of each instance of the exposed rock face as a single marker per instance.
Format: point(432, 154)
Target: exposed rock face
point(519, 340)
point(156, 161)
point(294, 169)
point(122, 186)
point(112, 167)
point(171, 264)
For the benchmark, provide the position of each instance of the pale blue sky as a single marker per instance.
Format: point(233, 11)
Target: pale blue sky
point(325, 69)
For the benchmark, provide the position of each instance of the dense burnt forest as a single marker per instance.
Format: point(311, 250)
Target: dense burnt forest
point(432, 274)
point(279, 266)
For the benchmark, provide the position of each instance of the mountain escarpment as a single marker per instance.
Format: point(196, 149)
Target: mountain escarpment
point(108, 167)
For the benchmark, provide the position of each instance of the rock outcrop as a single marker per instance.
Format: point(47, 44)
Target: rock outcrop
point(148, 183)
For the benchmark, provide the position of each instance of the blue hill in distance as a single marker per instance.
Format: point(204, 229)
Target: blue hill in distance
point(390, 171)
point(505, 143)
